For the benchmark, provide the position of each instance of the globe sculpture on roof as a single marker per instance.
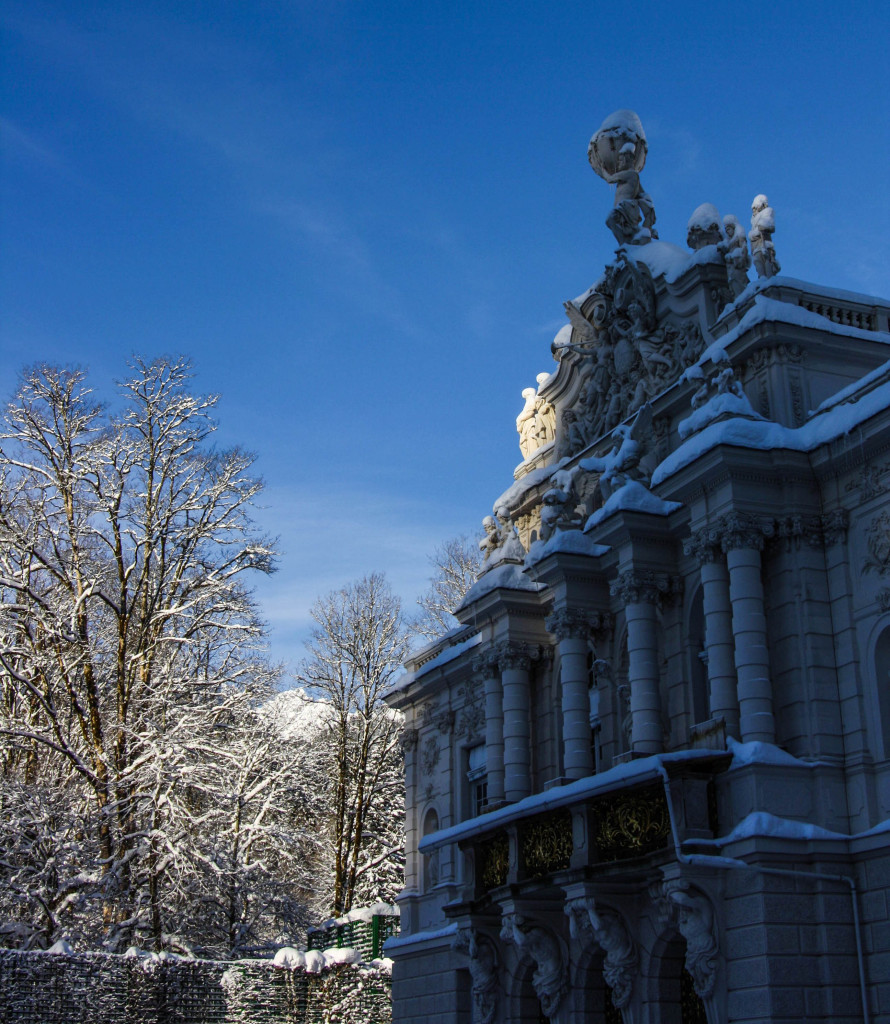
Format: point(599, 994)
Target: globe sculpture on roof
point(617, 152)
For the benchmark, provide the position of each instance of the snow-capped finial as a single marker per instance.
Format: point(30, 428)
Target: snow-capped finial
point(763, 224)
point(617, 152)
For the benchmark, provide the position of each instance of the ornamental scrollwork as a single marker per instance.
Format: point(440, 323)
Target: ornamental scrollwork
point(493, 861)
point(646, 587)
point(546, 844)
point(429, 755)
point(742, 530)
point(631, 824)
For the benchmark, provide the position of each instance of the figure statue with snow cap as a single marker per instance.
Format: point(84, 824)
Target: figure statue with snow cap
point(704, 227)
point(617, 152)
point(763, 224)
point(526, 423)
point(734, 250)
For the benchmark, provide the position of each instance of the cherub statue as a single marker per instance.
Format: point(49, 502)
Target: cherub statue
point(763, 224)
point(490, 542)
point(734, 250)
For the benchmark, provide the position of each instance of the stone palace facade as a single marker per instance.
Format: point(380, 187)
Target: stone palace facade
point(648, 776)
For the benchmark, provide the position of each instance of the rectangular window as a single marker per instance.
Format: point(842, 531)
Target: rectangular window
point(480, 796)
point(476, 777)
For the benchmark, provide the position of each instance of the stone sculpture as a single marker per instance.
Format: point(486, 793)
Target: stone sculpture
point(694, 915)
point(606, 927)
point(536, 423)
point(734, 250)
point(483, 972)
point(617, 152)
point(526, 423)
point(763, 224)
point(704, 227)
point(549, 979)
point(501, 542)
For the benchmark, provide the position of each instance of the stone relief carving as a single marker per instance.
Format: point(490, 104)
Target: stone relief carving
point(550, 978)
point(734, 250)
point(606, 927)
point(558, 511)
point(627, 358)
point(704, 227)
point(480, 951)
point(877, 541)
point(617, 152)
point(408, 740)
point(632, 444)
point(429, 755)
point(472, 717)
point(763, 224)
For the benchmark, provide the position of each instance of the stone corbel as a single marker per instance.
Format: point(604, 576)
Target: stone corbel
point(483, 967)
point(606, 927)
point(550, 977)
point(693, 914)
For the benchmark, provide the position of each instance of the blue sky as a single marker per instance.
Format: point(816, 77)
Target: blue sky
point(361, 219)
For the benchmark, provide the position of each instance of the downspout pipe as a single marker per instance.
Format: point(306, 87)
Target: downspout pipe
point(733, 863)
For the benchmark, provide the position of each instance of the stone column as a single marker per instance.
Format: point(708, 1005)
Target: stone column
point(742, 540)
point(723, 700)
point(486, 665)
point(515, 662)
point(641, 593)
point(572, 629)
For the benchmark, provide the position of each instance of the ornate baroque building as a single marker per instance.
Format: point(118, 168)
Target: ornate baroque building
point(648, 777)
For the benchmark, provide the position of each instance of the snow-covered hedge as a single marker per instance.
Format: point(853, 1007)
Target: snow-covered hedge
point(98, 988)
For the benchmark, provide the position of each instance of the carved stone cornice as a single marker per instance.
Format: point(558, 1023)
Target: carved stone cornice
point(646, 587)
point(743, 530)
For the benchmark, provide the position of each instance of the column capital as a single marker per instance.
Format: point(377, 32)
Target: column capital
point(569, 624)
point(743, 530)
point(515, 655)
point(485, 665)
point(704, 545)
point(646, 587)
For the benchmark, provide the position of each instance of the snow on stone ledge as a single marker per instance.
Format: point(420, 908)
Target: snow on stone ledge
point(719, 406)
point(764, 824)
point(757, 752)
point(509, 576)
point(572, 542)
point(825, 426)
point(670, 261)
point(632, 497)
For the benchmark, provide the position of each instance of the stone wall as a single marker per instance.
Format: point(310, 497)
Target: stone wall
point(97, 988)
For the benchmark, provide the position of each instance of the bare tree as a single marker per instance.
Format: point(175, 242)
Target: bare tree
point(358, 644)
point(127, 635)
point(456, 565)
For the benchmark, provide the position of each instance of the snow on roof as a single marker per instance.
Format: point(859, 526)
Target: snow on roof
point(570, 541)
point(448, 654)
point(396, 941)
point(840, 295)
point(509, 576)
point(633, 496)
point(830, 422)
point(603, 782)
